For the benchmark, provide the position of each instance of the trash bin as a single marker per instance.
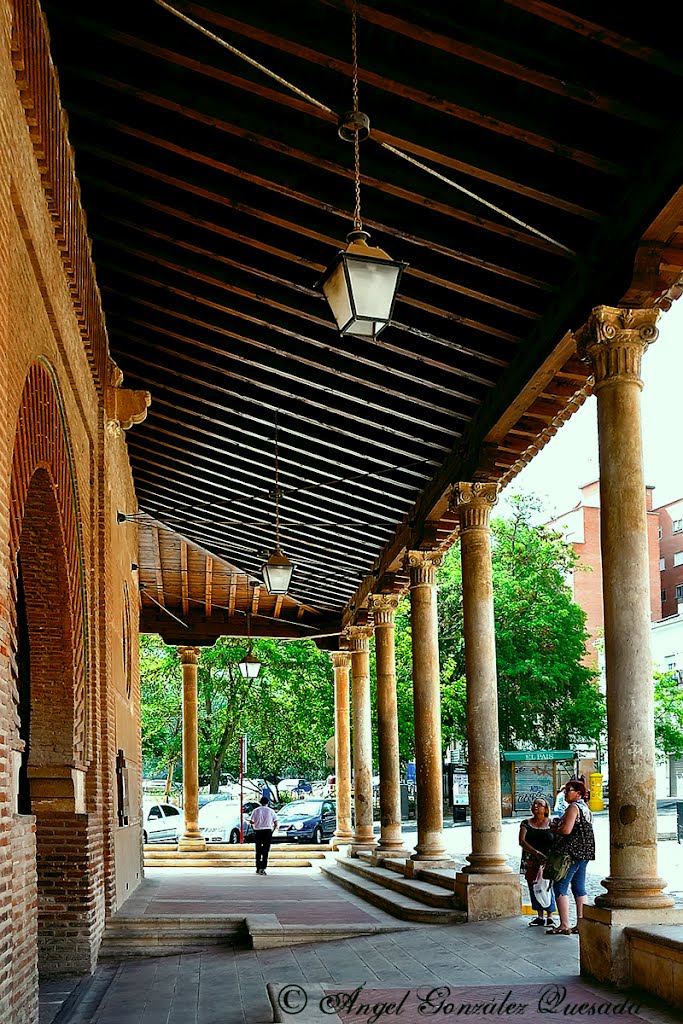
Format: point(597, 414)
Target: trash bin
point(679, 821)
point(405, 808)
point(460, 812)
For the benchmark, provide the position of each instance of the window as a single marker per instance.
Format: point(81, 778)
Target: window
point(678, 557)
point(679, 592)
point(662, 564)
point(663, 597)
point(677, 526)
point(659, 532)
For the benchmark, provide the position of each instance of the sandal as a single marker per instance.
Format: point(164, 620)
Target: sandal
point(575, 930)
point(537, 922)
point(556, 930)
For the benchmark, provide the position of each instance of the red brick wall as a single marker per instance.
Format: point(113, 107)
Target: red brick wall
point(63, 472)
point(672, 575)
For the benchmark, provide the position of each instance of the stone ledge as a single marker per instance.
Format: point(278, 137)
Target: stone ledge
point(669, 935)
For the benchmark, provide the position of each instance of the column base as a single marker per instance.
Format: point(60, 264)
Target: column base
point(389, 853)
point(413, 865)
point(634, 894)
point(361, 845)
point(487, 896)
point(340, 839)
point(191, 844)
point(486, 864)
point(604, 944)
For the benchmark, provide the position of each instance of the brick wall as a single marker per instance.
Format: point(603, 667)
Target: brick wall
point(63, 473)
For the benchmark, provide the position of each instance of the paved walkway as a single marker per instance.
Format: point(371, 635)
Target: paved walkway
point(229, 986)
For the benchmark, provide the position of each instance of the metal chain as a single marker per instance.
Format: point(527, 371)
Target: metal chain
point(357, 221)
point(277, 487)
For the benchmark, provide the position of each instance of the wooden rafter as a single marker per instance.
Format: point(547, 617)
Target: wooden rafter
point(183, 577)
point(209, 586)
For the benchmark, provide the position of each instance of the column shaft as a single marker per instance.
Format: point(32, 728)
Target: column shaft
point(613, 341)
point(341, 661)
point(192, 837)
point(363, 837)
point(473, 503)
point(390, 841)
point(427, 706)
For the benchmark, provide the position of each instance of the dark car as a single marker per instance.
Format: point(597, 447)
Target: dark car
point(306, 821)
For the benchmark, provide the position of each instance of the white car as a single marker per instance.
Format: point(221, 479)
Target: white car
point(219, 822)
point(162, 823)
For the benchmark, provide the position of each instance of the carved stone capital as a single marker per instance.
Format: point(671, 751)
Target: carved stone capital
point(422, 566)
point(189, 655)
point(340, 659)
point(359, 638)
point(383, 608)
point(613, 341)
point(473, 503)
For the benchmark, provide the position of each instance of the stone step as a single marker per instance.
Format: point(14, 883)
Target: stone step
point(127, 937)
point(416, 888)
point(235, 849)
point(172, 861)
point(441, 877)
point(406, 908)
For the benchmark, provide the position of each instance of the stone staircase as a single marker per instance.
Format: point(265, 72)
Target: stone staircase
point(221, 855)
point(126, 938)
point(426, 898)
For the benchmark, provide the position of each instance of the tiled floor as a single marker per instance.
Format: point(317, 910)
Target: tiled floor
point(229, 986)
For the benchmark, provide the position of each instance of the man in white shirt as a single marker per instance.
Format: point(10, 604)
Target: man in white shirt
point(263, 821)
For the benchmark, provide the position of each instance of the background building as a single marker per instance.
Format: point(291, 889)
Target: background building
point(671, 556)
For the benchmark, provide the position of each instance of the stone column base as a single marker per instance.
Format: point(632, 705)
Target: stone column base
point(336, 842)
point(413, 866)
point(364, 846)
point(488, 896)
point(394, 852)
point(605, 953)
point(191, 844)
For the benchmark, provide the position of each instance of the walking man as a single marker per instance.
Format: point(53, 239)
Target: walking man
point(263, 821)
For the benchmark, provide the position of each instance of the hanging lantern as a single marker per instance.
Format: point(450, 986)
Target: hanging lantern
point(249, 666)
point(360, 286)
point(277, 572)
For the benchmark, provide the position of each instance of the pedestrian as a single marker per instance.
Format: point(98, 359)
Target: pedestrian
point(266, 793)
point(263, 821)
point(575, 837)
point(536, 838)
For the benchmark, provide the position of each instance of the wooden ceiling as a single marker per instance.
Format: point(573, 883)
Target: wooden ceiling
point(215, 197)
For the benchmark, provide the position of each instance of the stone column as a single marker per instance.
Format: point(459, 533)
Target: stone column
point(430, 846)
point(359, 644)
point(341, 660)
point(473, 503)
point(192, 838)
point(613, 342)
point(486, 887)
point(383, 607)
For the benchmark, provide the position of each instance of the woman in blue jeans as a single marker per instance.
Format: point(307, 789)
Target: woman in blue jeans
point(575, 832)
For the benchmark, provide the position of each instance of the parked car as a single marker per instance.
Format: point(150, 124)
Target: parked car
point(306, 821)
point(162, 823)
point(330, 786)
point(297, 786)
point(219, 821)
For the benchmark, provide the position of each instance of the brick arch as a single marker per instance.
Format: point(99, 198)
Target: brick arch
point(44, 530)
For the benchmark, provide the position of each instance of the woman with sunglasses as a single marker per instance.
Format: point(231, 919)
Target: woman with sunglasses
point(575, 832)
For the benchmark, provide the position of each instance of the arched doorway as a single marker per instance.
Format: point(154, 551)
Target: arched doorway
point(49, 647)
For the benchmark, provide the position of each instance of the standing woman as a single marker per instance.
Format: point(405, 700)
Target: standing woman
point(575, 828)
point(536, 838)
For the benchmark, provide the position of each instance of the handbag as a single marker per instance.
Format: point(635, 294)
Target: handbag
point(557, 864)
point(543, 892)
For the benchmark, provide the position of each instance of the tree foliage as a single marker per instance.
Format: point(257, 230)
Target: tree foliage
point(668, 714)
point(546, 694)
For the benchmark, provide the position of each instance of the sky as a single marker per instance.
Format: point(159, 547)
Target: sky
point(571, 458)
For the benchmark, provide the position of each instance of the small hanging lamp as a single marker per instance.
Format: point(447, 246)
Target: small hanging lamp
point(361, 283)
point(277, 570)
point(249, 666)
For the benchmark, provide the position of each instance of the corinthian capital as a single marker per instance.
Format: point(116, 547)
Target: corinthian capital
point(340, 659)
point(359, 637)
point(613, 341)
point(189, 655)
point(383, 608)
point(423, 566)
point(473, 503)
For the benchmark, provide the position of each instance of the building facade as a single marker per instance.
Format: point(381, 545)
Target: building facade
point(671, 556)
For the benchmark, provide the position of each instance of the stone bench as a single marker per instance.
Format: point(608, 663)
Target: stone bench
point(656, 954)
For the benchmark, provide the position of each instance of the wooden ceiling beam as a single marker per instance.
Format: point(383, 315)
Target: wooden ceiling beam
point(281, 373)
point(255, 596)
point(493, 61)
point(158, 571)
point(183, 577)
point(572, 22)
point(278, 606)
point(296, 228)
point(206, 633)
point(365, 440)
point(208, 591)
point(486, 122)
point(275, 97)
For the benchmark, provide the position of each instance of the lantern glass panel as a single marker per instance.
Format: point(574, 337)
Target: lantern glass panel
point(373, 285)
point(336, 291)
point(250, 666)
point(277, 577)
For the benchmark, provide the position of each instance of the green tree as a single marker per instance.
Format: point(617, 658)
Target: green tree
point(160, 707)
point(546, 695)
point(668, 715)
